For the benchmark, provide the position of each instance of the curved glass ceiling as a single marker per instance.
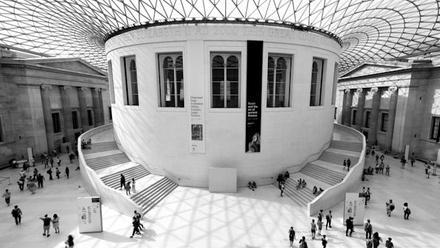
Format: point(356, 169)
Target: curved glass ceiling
point(369, 29)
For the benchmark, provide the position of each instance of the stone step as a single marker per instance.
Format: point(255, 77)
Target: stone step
point(336, 158)
point(325, 175)
point(346, 145)
point(107, 161)
point(101, 147)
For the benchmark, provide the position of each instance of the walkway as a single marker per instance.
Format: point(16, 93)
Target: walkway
point(192, 217)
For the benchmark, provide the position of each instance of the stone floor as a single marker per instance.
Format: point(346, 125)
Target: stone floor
point(193, 217)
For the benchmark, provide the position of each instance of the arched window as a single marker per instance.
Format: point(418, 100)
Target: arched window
point(225, 81)
point(316, 82)
point(278, 80)
point(171, 87)
point(131, 94)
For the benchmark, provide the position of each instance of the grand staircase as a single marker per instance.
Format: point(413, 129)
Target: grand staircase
point(109, 163)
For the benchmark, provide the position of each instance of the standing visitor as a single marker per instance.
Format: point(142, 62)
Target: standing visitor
point(328, 219)
point(345, 164)
point(40, 179)
point(20, 182)
point(319, 226)
point(406, 211)
point(135, 227)
point(282, 189)
point(16, 213)
point(122, 181)
point(313, 228)
point(412, 161)
point(389, 243)
point(58, 161)
point(302, 242)
point(324, 242)
point(56, 223)
point(348, 164)
point(127, 188)
point(67, 171)
point(133, 185)
point(57, 173)
point(390, 207)
point(46, 225)
point(368, 229)
point(387, 170)
point(7, 196)
point(50, 173)
point(349, 226)
point(291, 235)
point(376, 240)
point(51, 162)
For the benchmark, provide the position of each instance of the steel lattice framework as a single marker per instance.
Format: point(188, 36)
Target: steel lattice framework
point(369, 29)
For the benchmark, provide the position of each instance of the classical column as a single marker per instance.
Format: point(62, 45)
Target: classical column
point(66, 110)
point(47, 112)
point(360, 108)
point(391, 118)
point(96, 107)
point(83, 108)
point(101, 106)
point(347, 107)
point(374, 116)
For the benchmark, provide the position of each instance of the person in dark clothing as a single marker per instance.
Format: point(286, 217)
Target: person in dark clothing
point(57, 172)
point(291, 236)
point(122, 182)
point(376, 240)
point(46, 225)
point(348, 164)
point(50, 173)
point(67, 172)
point(135, 227)
point(349, 225)
point(16, 213)
point(69, 242)
point(40, 179)
point(21, 183)
point(328, 218)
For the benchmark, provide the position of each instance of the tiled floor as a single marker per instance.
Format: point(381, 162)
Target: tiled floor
point(192, 217)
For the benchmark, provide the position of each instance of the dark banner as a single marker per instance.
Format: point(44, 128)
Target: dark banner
point(253, 95)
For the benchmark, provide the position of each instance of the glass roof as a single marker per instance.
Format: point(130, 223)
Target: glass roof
point(369, 29)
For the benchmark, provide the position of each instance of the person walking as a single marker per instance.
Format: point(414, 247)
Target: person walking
point(413, 160)
point(58, 161)
point(133, 185)
point(282, 189)
point(291, 236)
point(56, 223)
point(376, 240)
point(319, 226)
point(46, 225)
point(57, 173)
point(390, 207)
point(20, 182)
point(427, 170)
point(51, 162)
point(127, 188)
point(368, 229)
point(328, 219)
point(40, 179)
point(345, 164)
point(406, 211)
point(303, 243)
point(7, 196)
point(389, 243)
point(349, 226)
point(348, 164)
point(135, 227)
point(16, 213)
point(313, 228)
point(139, 217)
point(122, 181)
point(67, 171)
point(387, 170)
point(324, 242)
point(69, 242)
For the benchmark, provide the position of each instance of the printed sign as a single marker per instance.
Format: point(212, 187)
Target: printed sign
point(89, 214)
point(197, 123)
point(354, 206)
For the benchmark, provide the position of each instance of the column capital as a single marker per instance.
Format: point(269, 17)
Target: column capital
point(45, 86)
point(374, 89)
point(66, 88)
point(392, 89)
point(96, 89)
point(347, 90)
point(359, 90)
point(82, 88)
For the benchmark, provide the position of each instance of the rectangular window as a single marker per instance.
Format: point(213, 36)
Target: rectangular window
point(75, 119)
point(225, 80)
point(335, 83)
point(353, 117)
point(435, 123)
point(278, 80)
point(171, 80)
point(110, 113)
point(110, 81)
point(1, 130)
point(367, 119)
point(56, 122)
point(90, 117)
point(131, 96)
point(384, 122)
point(316, 82)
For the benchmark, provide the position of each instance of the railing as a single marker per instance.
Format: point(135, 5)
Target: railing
point(116, 199)
point(335, 194)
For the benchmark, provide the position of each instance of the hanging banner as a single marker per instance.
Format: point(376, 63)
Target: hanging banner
point(253, 95)
point(354, 206)
point(197, 124)
point(89, 214)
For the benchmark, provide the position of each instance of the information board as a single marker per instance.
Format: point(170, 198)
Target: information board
point(89, 214)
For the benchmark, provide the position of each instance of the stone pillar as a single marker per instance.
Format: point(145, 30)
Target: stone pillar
point(96, 107)
point(47, 112)
point(391, 118)
point(66, 110)
point(360, 109)
point(101, 106)
point(347, 107)
point(374, 116)
point(83, 108)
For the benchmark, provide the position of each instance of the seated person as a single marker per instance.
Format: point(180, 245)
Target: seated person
point(298, 185)
point(249, 185)
point(254, 185)
point(377, 168)
point(303, 183)
point(315, 189)
point(320, 191)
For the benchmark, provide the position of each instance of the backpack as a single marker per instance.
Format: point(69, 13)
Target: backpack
point(392, 207)
point(408, 211)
